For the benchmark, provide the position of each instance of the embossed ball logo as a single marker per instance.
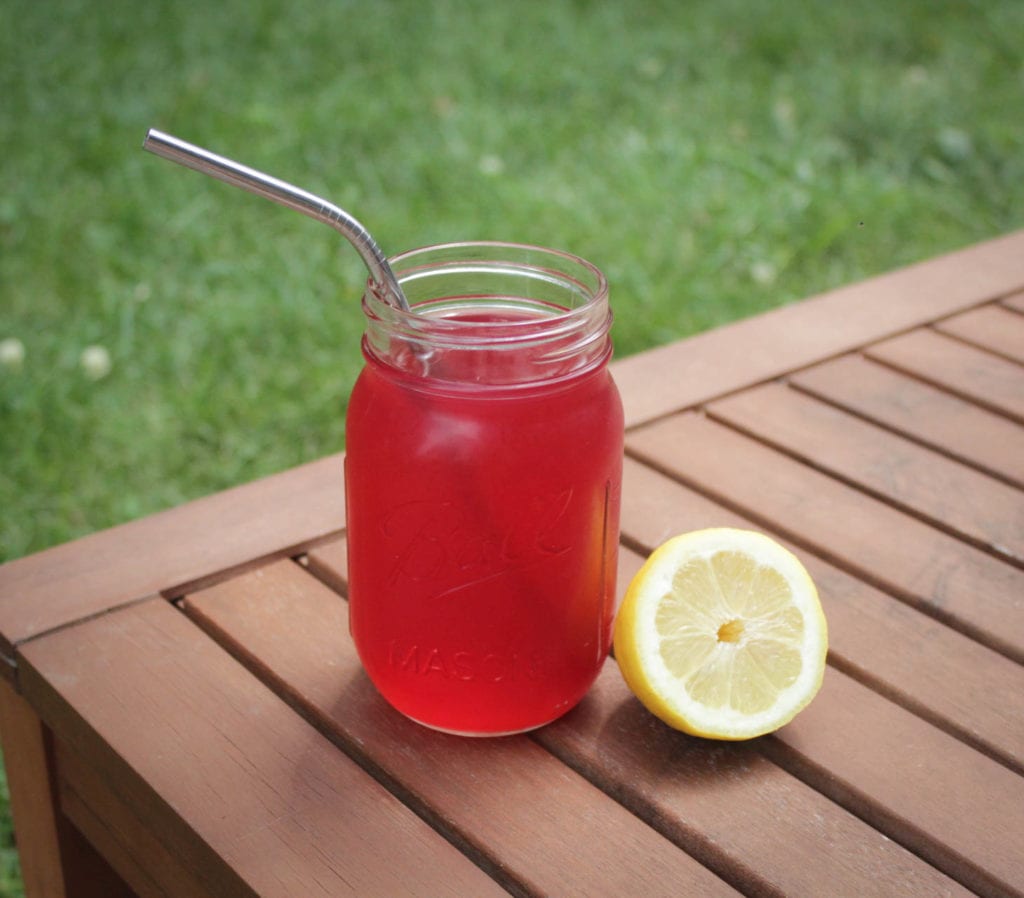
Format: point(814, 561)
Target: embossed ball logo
point(436, 544)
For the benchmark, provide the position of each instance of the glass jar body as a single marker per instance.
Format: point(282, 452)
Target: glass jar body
point(482, 485)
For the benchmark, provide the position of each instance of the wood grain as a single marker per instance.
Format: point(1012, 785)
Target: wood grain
point(732, 808)
point(981, 377)
point(329, 563)
point(960, 811)
point(33, 796)
point(134, 850)
point(938, 673)
point(956, 583)
point(694, 823)
point(894, 771)
point(537, 826)
point(947, 494)
point(687, 373)
point(244, 793)
point(56, 861)
point(168, 551)
point(919, 411)
point(990, 327)
point(1014, 302)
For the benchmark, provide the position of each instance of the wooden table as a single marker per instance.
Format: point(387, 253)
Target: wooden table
point(183, 713)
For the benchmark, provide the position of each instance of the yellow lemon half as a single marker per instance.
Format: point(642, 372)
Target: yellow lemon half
point(721, 634)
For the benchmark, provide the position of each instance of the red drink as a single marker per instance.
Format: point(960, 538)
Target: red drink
point(483, 495)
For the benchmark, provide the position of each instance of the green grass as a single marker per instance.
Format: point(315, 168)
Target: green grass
point(714, 157)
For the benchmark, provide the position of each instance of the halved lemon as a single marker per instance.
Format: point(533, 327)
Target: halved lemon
point(721, 634)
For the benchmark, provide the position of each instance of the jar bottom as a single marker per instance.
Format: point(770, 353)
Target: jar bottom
point(487, 735)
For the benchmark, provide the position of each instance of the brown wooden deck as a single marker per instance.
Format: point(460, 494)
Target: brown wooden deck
point(183, 714)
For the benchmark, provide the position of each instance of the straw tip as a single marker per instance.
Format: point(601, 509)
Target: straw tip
point(153, 136)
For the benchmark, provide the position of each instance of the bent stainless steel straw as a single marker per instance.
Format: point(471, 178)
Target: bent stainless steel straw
point(285, 194)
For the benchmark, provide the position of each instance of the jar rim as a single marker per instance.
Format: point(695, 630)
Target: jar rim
point(583, 278)
point(508, 312)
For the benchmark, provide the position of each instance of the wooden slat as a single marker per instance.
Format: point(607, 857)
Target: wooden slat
point(730, 807)
point(954, 582)
point(329, 563)
point(170, 550)
point(33, 795)
point(243, 792)
point(962, 812)
point(56, 861)
point(972, 373)
point(943, 676)
point(540, 827)
point(1015, 302)
point(945, 493)
point(131, 848)
point(682, 375)
point(922, 412)
point(991, 327)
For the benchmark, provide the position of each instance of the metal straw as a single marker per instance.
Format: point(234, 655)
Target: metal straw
point(287, 195)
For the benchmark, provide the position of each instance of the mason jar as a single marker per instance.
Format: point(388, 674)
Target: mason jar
point(482, 474)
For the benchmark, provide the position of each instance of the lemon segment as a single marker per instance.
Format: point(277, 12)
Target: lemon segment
point(721, 634)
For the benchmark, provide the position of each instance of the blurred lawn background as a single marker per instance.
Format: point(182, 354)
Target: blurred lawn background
point(163, 335)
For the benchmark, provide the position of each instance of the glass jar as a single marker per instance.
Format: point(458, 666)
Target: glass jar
point(483, 470)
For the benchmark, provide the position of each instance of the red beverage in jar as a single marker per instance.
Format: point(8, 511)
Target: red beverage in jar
point(483, 468)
